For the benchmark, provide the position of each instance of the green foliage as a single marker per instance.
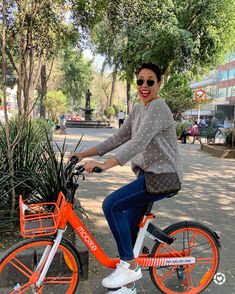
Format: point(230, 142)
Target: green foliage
point(88, 13)
point(109, 112)
point(38, 165)
point(56, 103)
point(219, 115)
point(177, 35)
point(10, 75)
point(77, 75)
point(209, 132)
point(42, 24)
point(36, 32)
point(25, 155)
point(178, 94)
point(230, 136)
point(115, 108)
point(182, 126)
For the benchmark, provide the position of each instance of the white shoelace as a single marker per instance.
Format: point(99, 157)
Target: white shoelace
point(118, 271)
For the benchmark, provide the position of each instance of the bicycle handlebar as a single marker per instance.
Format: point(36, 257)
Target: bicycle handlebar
point(69, 174)
point(80, 169)
point(97, 169)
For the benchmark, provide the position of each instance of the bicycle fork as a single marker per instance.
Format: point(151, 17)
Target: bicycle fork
point(48, 255)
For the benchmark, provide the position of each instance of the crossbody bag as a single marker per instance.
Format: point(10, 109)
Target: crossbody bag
point(163, 183)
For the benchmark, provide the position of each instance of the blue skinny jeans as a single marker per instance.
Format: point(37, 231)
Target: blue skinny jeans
point(123, 210)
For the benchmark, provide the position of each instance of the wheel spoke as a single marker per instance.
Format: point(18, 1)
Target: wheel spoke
point(172, 250)
point(191, 242)
point(191, 239)
point(21, 289)
point(166, 276)
point(189, 279)
point(58, 280)
point(21, 267)
point(205, 260)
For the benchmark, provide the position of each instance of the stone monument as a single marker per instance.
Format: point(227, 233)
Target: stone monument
point(88, 110)
point(88, 122)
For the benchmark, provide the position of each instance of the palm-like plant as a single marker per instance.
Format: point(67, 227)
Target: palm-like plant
point(38, 166)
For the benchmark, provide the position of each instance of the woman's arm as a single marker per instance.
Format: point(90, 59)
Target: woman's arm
point(87, 153)
point(121, 136)
point(111, 162)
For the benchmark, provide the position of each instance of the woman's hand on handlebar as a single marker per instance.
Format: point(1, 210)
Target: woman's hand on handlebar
point(87, 153)
point(90, 165)
point(111, 162)
point(76, 154)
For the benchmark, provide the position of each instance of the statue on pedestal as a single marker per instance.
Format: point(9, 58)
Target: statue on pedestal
point(88, 110)
point(88, 99)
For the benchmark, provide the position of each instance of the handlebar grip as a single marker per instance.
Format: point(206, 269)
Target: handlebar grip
point(74, 159)
point(97, 170)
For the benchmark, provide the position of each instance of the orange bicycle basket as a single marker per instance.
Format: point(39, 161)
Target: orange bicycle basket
point(40, 219)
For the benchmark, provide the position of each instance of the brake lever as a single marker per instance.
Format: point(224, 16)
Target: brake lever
point(79, 171)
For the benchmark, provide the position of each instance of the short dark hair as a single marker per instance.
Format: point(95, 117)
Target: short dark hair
point(151, 66)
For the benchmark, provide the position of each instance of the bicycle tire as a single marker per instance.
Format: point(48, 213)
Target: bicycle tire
point(62, 277)
point(191, 239)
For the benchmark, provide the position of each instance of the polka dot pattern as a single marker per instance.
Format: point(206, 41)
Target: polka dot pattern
point(148, 137)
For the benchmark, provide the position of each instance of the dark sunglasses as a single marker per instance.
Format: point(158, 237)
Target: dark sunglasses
point(140, 82)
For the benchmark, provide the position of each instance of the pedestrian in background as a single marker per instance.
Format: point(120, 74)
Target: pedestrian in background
point(121, 118)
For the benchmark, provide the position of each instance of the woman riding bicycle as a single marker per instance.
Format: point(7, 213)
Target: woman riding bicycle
point(148, 139)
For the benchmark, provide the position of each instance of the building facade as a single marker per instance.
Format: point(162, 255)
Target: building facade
point(220, 88)
point(11, 103)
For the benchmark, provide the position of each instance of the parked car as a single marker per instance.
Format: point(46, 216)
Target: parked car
point(76, 117)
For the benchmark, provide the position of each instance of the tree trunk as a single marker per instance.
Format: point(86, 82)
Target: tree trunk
point(43, 91)
point(128, 95)
point(114, 76)
point(9, 145)
point(166, 76)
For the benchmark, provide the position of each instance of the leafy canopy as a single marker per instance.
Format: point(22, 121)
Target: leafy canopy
point(56, 103)
point(178, 94)
point(178, 35)
point(77, 75)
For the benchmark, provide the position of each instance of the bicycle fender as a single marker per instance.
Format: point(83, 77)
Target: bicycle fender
point(70, 244)
point(188, 223)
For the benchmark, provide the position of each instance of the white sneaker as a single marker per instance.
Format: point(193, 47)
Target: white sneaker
point(124, 290)
point(122, 276)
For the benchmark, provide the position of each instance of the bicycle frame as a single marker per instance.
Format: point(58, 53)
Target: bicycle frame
point(68, 215)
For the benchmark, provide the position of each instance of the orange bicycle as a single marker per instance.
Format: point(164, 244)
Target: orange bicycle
point(184, 257)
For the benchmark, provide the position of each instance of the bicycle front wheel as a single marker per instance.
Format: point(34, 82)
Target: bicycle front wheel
point(19, 265)
point(191, 239)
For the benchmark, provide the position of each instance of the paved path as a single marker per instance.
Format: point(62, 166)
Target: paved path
point(207, 196)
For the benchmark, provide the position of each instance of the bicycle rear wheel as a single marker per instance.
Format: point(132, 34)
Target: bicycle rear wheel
point(18, 265)
point(191, 239)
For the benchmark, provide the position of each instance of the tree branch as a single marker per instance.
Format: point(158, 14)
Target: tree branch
point(50, 71)
point(12, 61)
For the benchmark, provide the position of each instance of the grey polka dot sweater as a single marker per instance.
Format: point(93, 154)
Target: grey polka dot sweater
point(148, 139)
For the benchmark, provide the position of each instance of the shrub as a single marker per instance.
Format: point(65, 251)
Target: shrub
point(109, 112)
point(38, 166)
point(229, 136)
point(182, 126)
